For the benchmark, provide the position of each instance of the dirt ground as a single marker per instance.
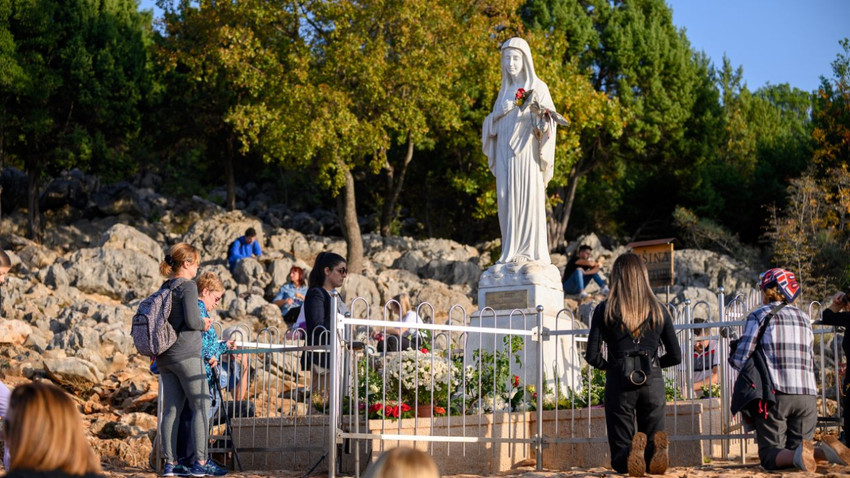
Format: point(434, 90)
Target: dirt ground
point(732, 470)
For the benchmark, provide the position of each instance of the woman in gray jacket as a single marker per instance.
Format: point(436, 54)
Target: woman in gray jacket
point(181, 367)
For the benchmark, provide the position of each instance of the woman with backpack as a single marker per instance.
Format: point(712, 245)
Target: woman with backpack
point(634, 324)
point(181, 366)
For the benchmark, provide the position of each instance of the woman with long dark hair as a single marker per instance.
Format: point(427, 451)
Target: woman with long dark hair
point(327, 275)
point(634, 324)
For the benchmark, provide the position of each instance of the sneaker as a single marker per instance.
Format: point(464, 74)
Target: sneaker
point(213, 469)
point(636, 462)
point(174, 470)
point(660, 459)
point(834, 450)
point(198, 469)
point(804, 456)
point(604, 290)
point(582, 296)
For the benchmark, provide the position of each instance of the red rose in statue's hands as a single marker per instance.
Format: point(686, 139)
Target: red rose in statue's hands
point(519, 93)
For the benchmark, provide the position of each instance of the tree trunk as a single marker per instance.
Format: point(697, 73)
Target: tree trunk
point(561, 214)
point(231, 180)
point(33, 215)
point(347, 211)
point(593, 156)
point(394, 189)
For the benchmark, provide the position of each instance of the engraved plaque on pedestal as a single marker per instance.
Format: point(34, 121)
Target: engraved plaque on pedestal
point(507, 299)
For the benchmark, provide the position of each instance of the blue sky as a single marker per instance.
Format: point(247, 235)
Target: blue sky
point(776, 41)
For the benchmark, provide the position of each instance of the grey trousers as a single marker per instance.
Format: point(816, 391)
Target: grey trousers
point(184, 382)
point(788, 423)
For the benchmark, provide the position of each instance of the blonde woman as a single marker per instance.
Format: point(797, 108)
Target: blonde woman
point(392, 339)
point(634, 324)
point(45, 435)
point(403, 462)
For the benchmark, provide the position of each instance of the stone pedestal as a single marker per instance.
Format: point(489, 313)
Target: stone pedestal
point(508, 295)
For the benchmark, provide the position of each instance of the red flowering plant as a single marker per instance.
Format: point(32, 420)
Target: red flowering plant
point(391, 410)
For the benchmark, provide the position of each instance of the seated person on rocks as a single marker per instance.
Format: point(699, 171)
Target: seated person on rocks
point(290, 297)
point(580, 271)
point(706, 362)
point(235, 368)
point(392, 339)
point(245, 246)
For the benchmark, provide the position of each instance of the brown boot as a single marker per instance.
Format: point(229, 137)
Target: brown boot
point(660, 459)
point(835, 451)
point(637, 463)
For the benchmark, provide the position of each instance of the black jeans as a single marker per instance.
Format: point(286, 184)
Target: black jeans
point(626, 404)
point(845, 402)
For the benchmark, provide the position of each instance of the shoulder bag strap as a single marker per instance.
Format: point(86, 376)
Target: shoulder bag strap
point(766, 322)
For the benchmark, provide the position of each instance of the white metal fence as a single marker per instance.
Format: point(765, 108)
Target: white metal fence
point(471, 384)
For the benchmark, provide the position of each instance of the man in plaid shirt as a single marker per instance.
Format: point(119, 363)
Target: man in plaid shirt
point(784, 431)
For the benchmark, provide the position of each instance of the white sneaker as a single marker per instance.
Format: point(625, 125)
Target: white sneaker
point(604, 290)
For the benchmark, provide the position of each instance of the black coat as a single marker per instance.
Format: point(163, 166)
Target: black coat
point(754, 390)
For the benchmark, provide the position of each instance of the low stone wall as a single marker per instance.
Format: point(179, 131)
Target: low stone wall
point(574, 438)
point(579, 437)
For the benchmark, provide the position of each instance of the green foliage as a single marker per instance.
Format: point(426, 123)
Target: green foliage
point(74, 75)
point(710, 391)
point(810, 236)
point(706, 234)
point(491, 373)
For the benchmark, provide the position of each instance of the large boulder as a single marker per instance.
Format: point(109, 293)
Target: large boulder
point(356, 286)
point(117, 273)
point(120, 198)
point(14, 189)
point(127, 238)
point(249, 271)
point(710, 270)
point(69, 189)
point(443, 298)
point(214, 235)
point(14, 332)
point(73, 372)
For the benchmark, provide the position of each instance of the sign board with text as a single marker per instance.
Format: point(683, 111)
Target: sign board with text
point(657, 255)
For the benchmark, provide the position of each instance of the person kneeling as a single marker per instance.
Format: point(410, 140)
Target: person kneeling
point(634, 324)
point(776, 388)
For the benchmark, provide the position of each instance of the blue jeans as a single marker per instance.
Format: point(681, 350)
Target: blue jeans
point(576, 283)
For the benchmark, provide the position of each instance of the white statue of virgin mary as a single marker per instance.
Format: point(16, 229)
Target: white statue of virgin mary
point(521, 155)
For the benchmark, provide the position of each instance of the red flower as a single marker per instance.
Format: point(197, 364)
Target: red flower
point(439, 410)
point(405, 407)
point(391, 411)
point(423, 350)
point(534, 395)
point(516, 381)
point(376, 407)
point(519, 93)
